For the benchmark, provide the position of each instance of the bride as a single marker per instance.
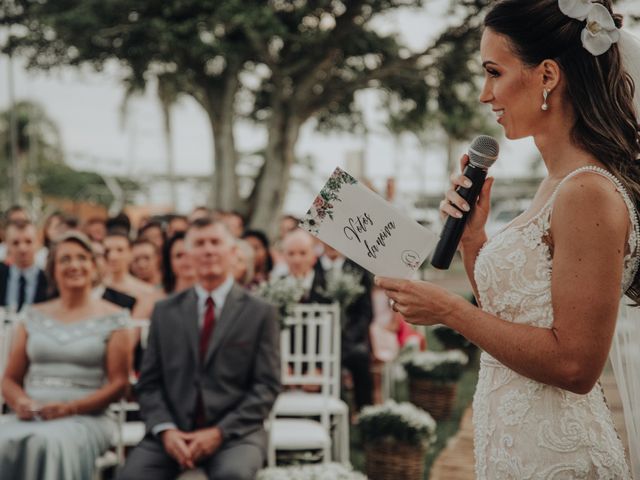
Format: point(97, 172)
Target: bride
point(550, 283)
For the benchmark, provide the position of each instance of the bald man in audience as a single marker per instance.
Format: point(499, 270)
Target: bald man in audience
point(299, 254)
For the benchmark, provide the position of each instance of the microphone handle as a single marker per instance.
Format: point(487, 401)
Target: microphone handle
point(454, 227)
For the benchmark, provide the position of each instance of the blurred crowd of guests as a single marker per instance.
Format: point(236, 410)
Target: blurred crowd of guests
point(98, 268)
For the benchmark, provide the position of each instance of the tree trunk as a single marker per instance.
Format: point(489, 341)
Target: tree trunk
point(168, 145)
point(219, 105)
point(272, 185)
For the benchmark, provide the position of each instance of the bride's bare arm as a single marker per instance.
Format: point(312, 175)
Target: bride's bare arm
point(590, 224)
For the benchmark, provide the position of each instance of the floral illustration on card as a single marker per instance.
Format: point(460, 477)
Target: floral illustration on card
point(324, 203)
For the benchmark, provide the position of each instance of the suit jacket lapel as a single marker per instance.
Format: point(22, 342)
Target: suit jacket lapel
point(232, 306)
point(189, 317)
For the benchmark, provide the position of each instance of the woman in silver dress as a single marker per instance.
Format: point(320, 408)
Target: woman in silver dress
point(68, 362)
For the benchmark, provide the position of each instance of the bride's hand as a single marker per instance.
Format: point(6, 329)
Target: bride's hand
point(419, 302)
point(453, 204)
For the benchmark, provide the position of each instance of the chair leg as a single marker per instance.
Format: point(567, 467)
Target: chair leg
point(271, 455)
point(343, 425)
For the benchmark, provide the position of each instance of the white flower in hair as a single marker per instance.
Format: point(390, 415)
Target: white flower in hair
point(600, 32)
point(578, 9)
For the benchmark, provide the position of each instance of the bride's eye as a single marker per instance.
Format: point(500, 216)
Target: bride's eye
point(492, 73)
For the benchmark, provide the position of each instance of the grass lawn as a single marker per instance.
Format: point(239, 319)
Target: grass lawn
point(446, 428)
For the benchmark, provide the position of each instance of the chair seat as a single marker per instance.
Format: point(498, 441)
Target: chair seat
point(106, 460)
point(308, 404)
point(298, 434)
point(132, 433)
point(193, 474)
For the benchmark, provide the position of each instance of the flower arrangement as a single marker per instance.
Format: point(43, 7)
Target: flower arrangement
point(397, 422)
point(443, 367)
point(284, 293)
point(343, 287)
point(450, 338)
point(325, 471)
point(323, 204)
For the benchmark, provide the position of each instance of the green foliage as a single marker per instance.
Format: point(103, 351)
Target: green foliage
point(450, 338)
point(279, 63)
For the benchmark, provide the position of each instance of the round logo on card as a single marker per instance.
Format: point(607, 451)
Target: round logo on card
point(411, 259)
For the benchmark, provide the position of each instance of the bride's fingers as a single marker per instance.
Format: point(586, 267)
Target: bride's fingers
point(446, 209)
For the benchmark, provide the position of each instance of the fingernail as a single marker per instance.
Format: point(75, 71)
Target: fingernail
point(467, 183)
point(458, 214)
point(466, 207)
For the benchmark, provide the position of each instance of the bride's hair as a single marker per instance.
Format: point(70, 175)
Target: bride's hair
point(598, 88)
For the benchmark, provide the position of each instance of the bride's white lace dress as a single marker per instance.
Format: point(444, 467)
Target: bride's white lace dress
point(525, 429)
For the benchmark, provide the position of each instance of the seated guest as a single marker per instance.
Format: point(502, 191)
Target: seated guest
point(153, 232)
point(100, 290)
point(176, 223)
point(69, 361)
point(178, 272)
point(119, 257)
point(22, 283)
point(243, 264)
point(263, 262)
point(96, 229)
point(14, 214)
point(300, 257)
point(54, 226)
point(145, 263)
point(234, 222)
point(210, 374)
point(356, 349)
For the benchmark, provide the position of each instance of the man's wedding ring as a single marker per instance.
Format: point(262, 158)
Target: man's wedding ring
point(392, 304)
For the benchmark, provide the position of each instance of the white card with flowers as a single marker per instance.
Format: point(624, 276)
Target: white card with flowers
point(366, 228)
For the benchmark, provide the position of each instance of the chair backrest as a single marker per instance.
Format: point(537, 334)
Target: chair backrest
point(310, 347)
point(143, 324)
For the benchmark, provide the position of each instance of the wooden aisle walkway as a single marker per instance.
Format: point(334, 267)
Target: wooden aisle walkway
point(455, 462)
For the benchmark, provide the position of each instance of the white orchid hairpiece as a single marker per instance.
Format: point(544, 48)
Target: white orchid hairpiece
point(600, 31)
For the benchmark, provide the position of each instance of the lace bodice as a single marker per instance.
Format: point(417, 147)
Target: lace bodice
point(525, 429)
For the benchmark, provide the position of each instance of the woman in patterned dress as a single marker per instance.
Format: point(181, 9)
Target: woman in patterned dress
point(549, 284)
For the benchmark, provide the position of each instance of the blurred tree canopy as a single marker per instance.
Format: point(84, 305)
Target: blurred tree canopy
point(41, 161)
point(278, 63)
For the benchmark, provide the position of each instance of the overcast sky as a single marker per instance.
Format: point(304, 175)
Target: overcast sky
point(86, 106)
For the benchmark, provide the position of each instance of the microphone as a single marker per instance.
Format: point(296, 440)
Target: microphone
point(483, 152)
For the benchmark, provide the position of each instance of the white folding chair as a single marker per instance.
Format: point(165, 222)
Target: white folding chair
point(8, 322)
point(128, 433)
point(303, 404)
point(310, 356)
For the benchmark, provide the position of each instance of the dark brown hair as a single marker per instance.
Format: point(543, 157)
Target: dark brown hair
point(598, 88)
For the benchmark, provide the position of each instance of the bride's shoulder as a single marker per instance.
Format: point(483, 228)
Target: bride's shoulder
point(591, 201)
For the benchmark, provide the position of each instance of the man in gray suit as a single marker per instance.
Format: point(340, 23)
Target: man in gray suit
point(210, 374)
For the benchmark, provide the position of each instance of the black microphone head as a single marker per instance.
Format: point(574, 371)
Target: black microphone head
point(483, 151)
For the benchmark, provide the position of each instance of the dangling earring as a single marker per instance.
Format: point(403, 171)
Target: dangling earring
point(545, 105)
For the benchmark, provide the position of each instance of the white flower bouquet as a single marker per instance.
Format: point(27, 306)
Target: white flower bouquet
point(445, 366)
point(284, 293)
point(397, 422)
point(325, 471)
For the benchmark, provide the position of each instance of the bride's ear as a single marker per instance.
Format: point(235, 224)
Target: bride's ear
point(550, 74)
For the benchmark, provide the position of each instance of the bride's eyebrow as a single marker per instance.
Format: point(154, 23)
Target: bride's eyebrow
point(489, 62)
